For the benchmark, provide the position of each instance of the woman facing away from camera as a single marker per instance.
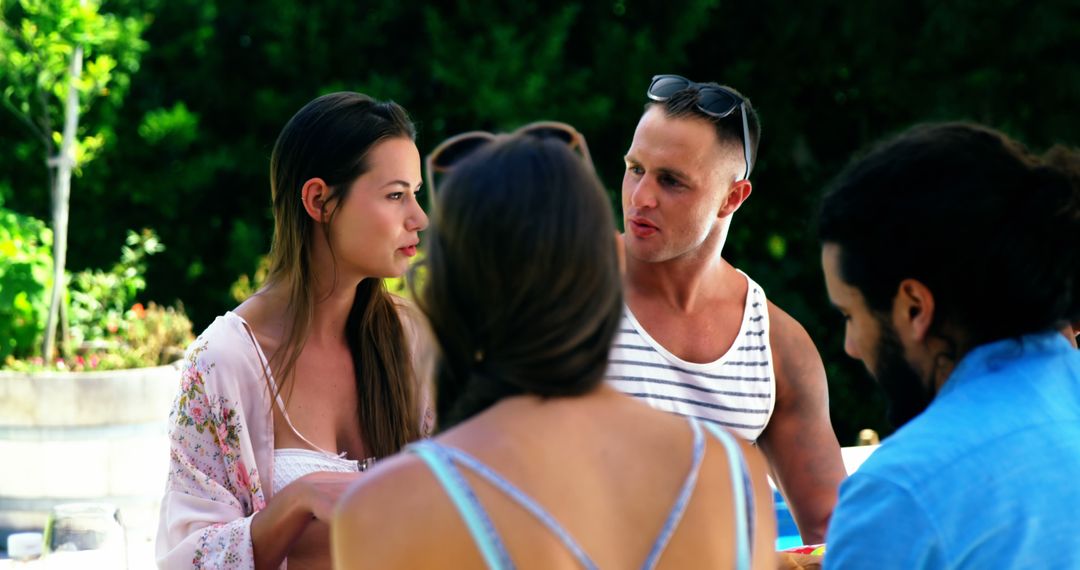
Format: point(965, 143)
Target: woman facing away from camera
point(538, 463)
point(286, 399)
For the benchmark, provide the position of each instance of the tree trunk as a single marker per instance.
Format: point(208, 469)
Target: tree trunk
point(60, 196)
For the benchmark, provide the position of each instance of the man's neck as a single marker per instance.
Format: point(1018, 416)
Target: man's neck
point(683, 284)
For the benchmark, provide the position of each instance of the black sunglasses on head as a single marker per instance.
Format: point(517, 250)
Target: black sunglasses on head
point(712, 100)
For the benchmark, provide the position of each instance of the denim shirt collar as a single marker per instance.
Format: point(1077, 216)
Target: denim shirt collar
point(999, 354)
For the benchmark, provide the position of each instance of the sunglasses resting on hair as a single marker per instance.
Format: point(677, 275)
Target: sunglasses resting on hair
point(712, 100)
point(454, 149)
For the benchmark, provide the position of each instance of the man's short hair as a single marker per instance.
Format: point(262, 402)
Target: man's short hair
point(990, 228)
point(729, 130)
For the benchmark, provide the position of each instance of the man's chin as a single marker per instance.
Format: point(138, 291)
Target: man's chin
point(643, 254)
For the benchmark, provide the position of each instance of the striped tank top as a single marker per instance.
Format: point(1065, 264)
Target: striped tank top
point(737, 391)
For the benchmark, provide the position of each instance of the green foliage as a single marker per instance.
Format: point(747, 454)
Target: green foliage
point(188, 154)
point(25, 278)
point(37, 39)
point(108, 329)
point(246, 286)
point(157, 335)
point(175, 127)
point(100, 299)
point(154, 335)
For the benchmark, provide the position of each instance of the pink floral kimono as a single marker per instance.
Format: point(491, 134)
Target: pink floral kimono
point(222, 448)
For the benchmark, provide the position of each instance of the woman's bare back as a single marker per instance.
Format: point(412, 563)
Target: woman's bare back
point(607, 468)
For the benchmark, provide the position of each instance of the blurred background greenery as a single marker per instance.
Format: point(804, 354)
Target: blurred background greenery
point(201, 89)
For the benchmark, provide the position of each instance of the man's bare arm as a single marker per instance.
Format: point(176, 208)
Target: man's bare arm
point(799, 440)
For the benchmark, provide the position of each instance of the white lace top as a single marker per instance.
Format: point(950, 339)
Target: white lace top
point(293, 463)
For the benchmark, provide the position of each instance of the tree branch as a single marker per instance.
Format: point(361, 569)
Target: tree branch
point(34, 128)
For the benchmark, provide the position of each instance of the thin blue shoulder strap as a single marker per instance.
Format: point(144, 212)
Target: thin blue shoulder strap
point(526, 502)
point(743, 494)
point(476, 518)
point(679, 508)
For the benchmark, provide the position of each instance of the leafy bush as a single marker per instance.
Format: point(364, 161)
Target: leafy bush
point(246, 286)
point(154, 336)
point(25, 282)
point(107, 329)
point(100, 299)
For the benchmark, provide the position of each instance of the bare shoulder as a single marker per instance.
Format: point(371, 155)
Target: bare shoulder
point(402, 302)
point(226, 349)
point(412, 319)
point(407, 310)
point(377, 521)
point(756, 463)
point(390, 484)
point(755, 460)
point(419, 338)
point(787, 335)
point(757, 467)
point(794, 353)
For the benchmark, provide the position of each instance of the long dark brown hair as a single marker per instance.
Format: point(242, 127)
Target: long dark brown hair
point(522, 286)
point(330, 138)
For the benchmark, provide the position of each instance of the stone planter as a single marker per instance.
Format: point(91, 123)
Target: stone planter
point(79, 436)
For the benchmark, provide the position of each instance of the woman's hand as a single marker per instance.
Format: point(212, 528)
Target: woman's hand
point(322, 490)
point(275, 529)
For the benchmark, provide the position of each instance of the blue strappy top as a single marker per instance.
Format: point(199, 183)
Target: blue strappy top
point(444, 460)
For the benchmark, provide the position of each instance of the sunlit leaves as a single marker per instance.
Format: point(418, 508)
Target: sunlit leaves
point(176, 126)
point(37, 40)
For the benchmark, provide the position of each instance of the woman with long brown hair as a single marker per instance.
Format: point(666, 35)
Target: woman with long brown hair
point(539, 463)
point(286, 399)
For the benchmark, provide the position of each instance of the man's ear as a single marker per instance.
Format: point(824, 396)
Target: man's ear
point(315, 194)
point(738, 194)
point(913, 311)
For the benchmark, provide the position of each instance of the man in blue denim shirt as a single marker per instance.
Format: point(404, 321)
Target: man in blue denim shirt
point(954, 255)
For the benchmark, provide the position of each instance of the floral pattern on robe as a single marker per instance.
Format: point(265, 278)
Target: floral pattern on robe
point(222, 441)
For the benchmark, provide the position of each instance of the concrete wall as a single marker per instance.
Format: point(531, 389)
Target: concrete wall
point(99, 436)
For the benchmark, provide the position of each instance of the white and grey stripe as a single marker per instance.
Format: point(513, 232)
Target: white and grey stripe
point(737, 391)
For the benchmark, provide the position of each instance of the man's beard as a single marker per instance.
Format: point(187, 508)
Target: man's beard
point(906, 393)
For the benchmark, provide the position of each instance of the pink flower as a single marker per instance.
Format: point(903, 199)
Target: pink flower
point(242, 475)
point(190, 376)
point(223, 438)
point(198, 414)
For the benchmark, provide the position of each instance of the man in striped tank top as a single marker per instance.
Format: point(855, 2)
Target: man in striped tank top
point(698, 337)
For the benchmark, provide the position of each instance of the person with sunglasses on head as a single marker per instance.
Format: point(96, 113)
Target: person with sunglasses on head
point(286, 399)
point(539, 463)
point(946, 249)
point(698, 337)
